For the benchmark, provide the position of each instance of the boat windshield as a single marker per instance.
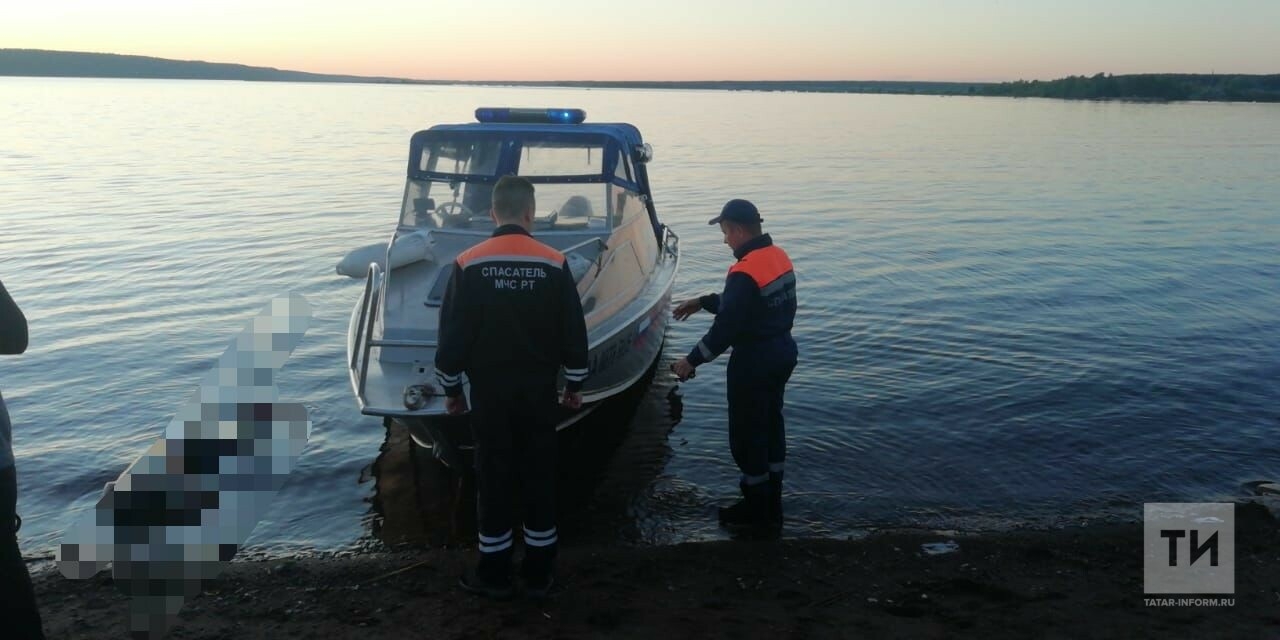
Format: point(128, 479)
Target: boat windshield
point(453, 182)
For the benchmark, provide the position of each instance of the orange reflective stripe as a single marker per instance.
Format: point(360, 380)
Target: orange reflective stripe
point(514, 244)
point(764, 265)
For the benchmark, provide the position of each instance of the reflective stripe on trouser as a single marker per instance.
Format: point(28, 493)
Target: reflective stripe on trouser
point(539, 554)
point(540, 538)
point(495, 544)
point(513, 424)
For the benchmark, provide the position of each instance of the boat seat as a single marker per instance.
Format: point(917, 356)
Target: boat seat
point(423, 206)
point(575, 213)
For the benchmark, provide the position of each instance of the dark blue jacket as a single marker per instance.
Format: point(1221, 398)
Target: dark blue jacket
point(758, 303)
point(511, 312)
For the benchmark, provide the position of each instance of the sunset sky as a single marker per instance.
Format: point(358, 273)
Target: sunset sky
point(966, 40)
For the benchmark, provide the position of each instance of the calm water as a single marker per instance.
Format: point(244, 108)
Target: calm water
point(1011, 311)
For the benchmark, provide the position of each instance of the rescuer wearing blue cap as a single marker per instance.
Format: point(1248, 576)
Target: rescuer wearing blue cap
point(754, 315)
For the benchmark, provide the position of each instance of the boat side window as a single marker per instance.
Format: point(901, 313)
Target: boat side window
point(627, 206)
point(622, 169)
point(476, 157)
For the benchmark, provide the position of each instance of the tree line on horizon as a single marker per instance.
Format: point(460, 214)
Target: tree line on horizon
point(1154, 87)
point(1146, 86)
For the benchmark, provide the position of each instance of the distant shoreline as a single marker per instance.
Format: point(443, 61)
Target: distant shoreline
point(1137, 87)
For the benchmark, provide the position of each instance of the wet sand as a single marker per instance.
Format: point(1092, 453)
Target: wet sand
point(1072, 583)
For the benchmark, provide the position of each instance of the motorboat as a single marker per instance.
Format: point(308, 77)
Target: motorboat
point(593, 204)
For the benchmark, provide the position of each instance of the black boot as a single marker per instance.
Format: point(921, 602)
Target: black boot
point(775, 497)
point(491, 577)
point(537, 570)
point(751, 510)
point(495, 589)
point(736, 513)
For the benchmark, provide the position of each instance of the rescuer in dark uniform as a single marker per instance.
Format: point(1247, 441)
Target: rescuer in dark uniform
point(510, 318)
point(18, 612)
point(754, 315)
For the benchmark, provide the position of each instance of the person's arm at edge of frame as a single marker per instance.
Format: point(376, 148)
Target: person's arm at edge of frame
point(573, 353)
point(13, 325)
point(733, 308)
point(455, 341)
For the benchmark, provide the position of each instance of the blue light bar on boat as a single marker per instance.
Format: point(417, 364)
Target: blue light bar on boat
point(549, 116)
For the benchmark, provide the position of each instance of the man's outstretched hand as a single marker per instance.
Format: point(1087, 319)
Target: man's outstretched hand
point(686, 309)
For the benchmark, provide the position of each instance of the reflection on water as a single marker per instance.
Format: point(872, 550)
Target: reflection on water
point(417, 500)
point(675, 399)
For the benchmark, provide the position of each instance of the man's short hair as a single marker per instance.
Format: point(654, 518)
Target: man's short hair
point(512, 196)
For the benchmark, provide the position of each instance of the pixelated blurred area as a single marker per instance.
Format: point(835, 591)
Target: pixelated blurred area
point(171, 521)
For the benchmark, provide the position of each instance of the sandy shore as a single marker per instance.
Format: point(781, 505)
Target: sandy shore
point(1072, 583)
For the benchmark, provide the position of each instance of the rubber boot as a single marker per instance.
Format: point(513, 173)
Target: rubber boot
point(752, 509)
point(737, 512)
point(537, 570)
point(775, 496)
point(491, 577)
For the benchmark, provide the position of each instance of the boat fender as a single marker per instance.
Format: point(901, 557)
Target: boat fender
point(408, 248)
point(356, 263)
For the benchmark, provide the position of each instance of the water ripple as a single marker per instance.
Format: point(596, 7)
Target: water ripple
point(1010, 311)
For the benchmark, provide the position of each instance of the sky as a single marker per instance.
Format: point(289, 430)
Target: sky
point(952, 40)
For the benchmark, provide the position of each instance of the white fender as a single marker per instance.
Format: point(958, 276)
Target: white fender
point(356, 263)
point(408, 248)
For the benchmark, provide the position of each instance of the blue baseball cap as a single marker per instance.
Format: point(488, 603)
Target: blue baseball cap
point(738, 210)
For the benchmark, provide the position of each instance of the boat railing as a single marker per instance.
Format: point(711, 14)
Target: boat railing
point(364, 342)
point(586, 243)
point(597, 261)
point(670, 241)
